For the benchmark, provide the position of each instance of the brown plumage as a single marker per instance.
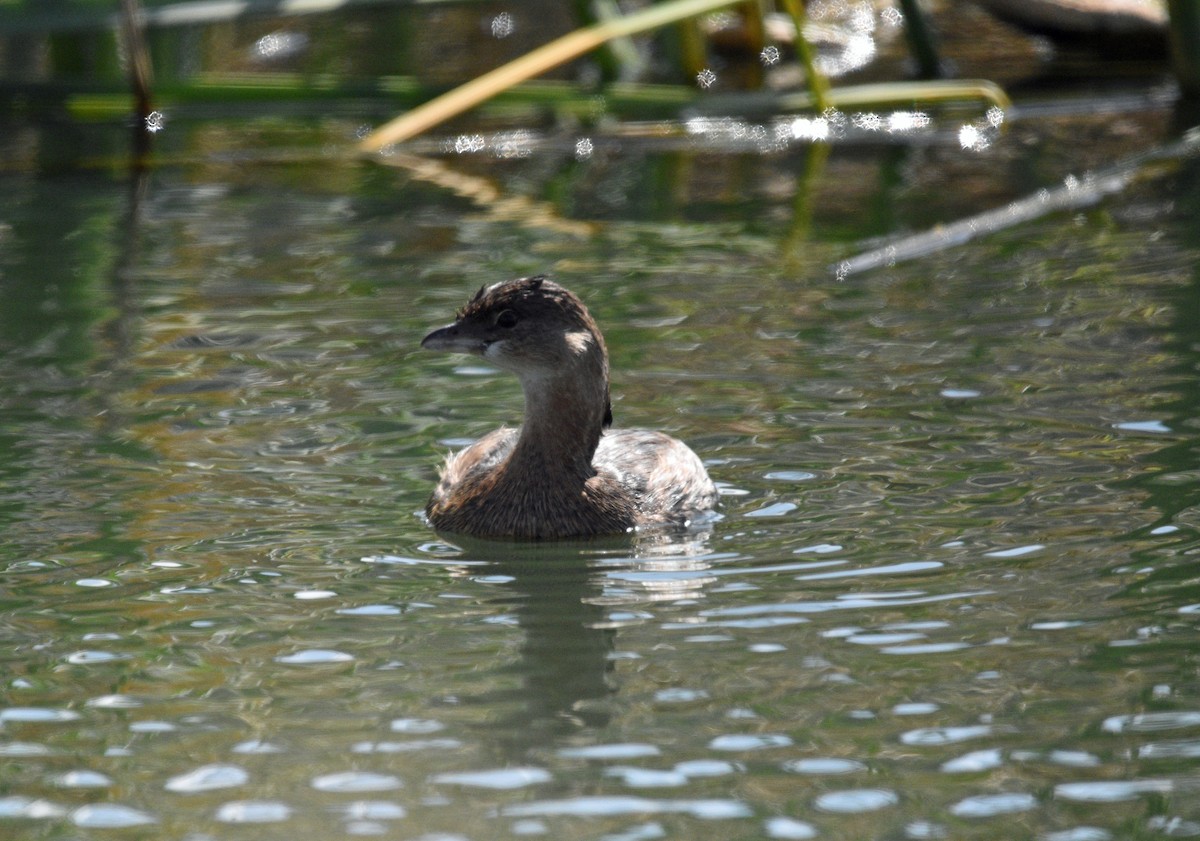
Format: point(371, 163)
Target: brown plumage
point(562, 473)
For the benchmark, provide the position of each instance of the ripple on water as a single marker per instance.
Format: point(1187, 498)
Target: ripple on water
point(370, 610)
point(679, 695)
point(928, 736)
point(816, 766)
point(884, 639)
point(817, 549)
point(373, 810)
point(603, 806)
point(790, 476)
point(849, 602)
point(94, 582)
point(1173, 826)
point(974, 762)
point(37, 715)
point(1151, 722)
point(707, 768)
point(757, 622)
point(82, 779)
point(498, 778)
point(109, 816)
point(1155, 426)
point(856, 800)
point(647, 777)
point(925, 831)
point(314, 595)
point(1057, 625)
point(314, 656)
point(411, 746)
point(1182, 749)
point(886, 569)
point(777, 509)
point(1069, 758)
point(400, 560)
point(991, 805)
point(256, 746)
point(253, 811)
point(926, 648)
point(29, 808)
point(114, 702)
point(1015, 552)
point(788, 829)
point(532, 826)
point(610, 751)
point(416, 725)
point(208, 778)
point(353, 781)
point(750, 741)
point(25, 749)
point(1111, 791)
point(1079, 833)
point(87, 658)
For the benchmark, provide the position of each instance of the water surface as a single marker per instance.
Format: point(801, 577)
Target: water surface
point(952, 594)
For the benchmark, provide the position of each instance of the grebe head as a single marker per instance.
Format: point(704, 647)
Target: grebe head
point(532, 327)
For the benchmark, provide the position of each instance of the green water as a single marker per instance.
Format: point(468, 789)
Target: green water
point(953, 593)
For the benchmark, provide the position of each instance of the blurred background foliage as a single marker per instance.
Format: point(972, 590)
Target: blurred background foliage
point(78, 58)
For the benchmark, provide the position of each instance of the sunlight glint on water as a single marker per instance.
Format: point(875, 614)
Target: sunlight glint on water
point(951, 593)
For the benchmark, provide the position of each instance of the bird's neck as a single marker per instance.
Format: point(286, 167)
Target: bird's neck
point(564, 418)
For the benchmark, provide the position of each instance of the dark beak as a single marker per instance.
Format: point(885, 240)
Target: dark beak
point(452, 339)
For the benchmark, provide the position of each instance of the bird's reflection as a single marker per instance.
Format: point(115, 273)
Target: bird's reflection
point(559, 595)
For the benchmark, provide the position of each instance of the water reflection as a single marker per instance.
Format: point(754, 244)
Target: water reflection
point(565, 664)
point(951, 591)
point(1174, 489)
point(562, 597)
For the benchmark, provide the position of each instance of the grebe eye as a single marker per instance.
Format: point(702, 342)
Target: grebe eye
point(507, 319)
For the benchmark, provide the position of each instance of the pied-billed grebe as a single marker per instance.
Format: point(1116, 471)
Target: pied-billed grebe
point(563, 473)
